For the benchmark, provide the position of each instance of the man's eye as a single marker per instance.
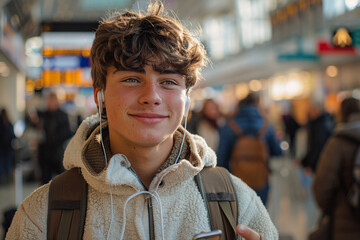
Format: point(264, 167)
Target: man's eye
point(169, 82)
point(131, 80)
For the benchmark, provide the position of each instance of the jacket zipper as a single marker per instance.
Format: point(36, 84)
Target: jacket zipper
point(150, 208)
point(151, 219)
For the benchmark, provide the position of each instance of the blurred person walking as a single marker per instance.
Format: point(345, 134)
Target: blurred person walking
point(334, 174)
point(30, 141)
point(207, 123)
point(251, 122)
point(291, 127)
point(319, 128)
point(6, 150)
point(316, 131)
point(55, 132)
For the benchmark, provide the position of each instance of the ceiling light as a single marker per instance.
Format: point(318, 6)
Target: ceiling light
point(351, 4)
point(332, 71)
point(255, 85)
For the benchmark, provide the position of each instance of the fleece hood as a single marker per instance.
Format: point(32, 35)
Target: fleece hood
point(118, 169)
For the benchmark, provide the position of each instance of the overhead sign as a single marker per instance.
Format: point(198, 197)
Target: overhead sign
point(65, 62)
point(297, 56)
point(356, 37)
point(326, 48)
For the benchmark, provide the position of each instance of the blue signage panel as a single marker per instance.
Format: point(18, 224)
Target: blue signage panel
point(65, 62)
point(298, 56)
point(356, 37)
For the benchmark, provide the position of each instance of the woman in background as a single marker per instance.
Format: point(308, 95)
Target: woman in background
point(209, 122)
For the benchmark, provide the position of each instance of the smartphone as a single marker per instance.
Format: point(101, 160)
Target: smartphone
point(212, 235)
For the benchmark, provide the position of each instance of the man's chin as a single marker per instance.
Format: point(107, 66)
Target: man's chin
point(153, 140)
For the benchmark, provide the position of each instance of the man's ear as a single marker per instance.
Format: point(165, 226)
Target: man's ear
point(99, 97)
point(95, 90)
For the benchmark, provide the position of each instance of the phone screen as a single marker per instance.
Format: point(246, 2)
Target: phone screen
point(212, 235)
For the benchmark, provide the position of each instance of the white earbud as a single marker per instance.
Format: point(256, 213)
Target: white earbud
point(187, 106)
point(101, 99)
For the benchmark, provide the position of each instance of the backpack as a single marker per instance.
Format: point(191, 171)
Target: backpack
point(68, 203)
point(249, 157)
point(353, 193)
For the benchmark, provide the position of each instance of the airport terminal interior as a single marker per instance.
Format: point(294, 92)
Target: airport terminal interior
point(301, 57)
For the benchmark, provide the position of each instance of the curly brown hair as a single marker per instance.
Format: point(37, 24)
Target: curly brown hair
point(131, 40)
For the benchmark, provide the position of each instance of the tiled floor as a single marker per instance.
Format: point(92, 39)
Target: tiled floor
point(8, 198)
point(289, 207)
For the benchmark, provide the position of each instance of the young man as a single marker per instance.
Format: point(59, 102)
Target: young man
point(143, 186)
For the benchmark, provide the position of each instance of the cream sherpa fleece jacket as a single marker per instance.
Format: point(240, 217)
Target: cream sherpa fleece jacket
point(183, 210)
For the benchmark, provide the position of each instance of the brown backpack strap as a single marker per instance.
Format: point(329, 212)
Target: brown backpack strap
point(235, 127)
point(67, 206)
point(263, 129)
point(217, 190)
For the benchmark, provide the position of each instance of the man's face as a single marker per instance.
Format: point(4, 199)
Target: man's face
point(143, 108)
point(52, 103)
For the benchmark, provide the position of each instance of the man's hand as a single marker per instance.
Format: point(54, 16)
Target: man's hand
point(247, 233)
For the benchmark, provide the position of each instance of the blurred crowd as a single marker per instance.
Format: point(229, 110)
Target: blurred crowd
point(323, 150)
point(40, 146)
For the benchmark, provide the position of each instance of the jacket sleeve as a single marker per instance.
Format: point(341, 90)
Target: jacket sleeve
point(252, 213)
point(327, 178)
point(272, 142)
point(226, 143)
point(30, 220)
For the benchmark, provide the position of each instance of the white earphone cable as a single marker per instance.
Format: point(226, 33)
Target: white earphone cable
point(106, 162)
point(157, 198)
point(182, 142)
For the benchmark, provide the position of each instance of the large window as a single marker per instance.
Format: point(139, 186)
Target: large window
point(221, 36)
point(333, 8)
point(244, 26)
point(253, 21)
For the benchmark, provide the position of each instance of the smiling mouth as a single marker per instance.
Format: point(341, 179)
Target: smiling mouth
point(149, 118)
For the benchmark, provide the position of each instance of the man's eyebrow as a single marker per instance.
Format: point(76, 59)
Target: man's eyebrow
point(165, 71)
point(135, 70)
point(170, 71)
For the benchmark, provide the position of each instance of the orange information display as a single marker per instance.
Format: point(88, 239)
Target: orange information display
point(65, 67)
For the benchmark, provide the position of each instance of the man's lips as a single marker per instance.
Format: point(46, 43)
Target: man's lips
point(149, 118)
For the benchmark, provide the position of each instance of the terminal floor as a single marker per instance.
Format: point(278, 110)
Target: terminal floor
point(290, 206)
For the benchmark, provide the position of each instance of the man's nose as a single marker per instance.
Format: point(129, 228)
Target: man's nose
point(150, 94)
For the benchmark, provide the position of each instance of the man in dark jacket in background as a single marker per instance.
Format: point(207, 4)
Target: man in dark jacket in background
point(319, 129)
point(56, 130)
point(334, 173)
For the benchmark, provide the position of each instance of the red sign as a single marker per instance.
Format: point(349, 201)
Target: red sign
point(325, 48)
